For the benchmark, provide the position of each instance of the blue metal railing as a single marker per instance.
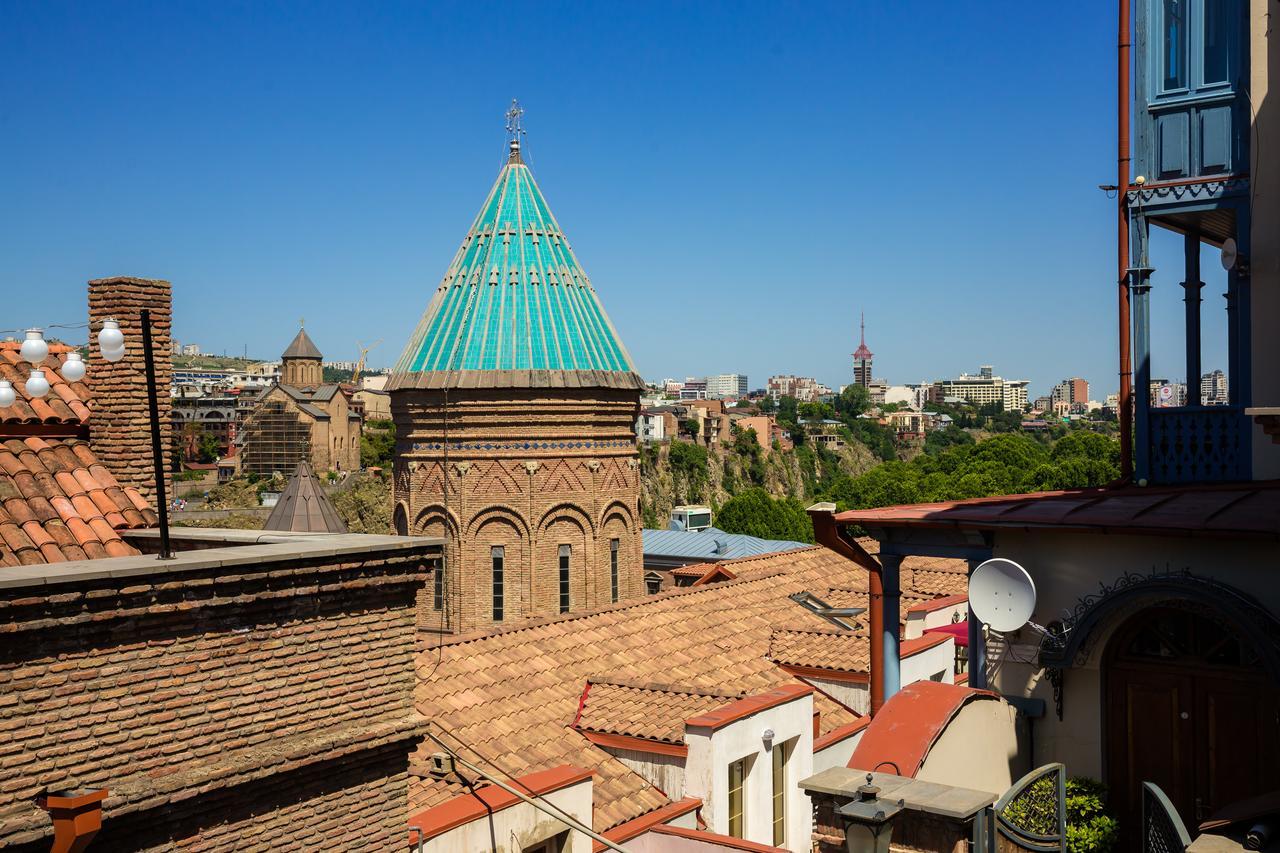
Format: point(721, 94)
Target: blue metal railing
point(1199, 444)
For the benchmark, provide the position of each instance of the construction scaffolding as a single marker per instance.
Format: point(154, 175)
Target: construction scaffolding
point(274, 439)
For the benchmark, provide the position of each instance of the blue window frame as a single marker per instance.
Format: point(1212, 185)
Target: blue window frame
point(1174, 52)
point(1218, 16)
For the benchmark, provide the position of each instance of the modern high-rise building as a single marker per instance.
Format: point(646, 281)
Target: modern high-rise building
point(862, 357)
point(515, 404)
point(983, 389)
point(1213, 389)
point(1072, 391)
point(726, 385)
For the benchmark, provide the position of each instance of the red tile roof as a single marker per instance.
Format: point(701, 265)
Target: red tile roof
point(939, 603)
point(57, 501)
point(652, 712)
point(900, 736)
point(632, 828)
point(1226, 510)
point(488, 799)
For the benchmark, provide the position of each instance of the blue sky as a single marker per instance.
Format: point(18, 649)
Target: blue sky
point(739, 179)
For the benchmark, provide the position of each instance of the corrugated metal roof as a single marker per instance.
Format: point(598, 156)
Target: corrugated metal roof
point(711, 544)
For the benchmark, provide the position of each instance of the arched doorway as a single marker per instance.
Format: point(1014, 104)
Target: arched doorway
point(1190, 707)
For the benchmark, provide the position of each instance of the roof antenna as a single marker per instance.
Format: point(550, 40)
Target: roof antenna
point(515, 130)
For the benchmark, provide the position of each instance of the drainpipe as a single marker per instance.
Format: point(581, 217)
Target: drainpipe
point(77, 817)
point(827, 533)
point(1122, 246)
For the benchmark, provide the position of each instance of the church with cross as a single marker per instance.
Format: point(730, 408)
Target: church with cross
point(515, 403)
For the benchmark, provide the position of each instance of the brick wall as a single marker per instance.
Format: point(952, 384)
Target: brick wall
point(120, 426)
point(530, 470)
point(220, 705)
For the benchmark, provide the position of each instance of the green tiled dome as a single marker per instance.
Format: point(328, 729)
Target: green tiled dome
point(515, 307)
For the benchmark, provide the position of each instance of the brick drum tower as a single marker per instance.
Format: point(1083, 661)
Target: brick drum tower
point(515, 404)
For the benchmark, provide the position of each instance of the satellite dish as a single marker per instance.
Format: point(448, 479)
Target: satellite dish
point(1230, 254)
point(1002, 594)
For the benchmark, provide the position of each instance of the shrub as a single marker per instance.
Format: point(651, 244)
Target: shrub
point(1089, 828)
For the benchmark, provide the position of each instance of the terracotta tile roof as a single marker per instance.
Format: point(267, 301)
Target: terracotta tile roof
point(1228, 509)
point(66, 402)
point(821, 648)
point(511, 694)
point(652, 712)
point(57, 502)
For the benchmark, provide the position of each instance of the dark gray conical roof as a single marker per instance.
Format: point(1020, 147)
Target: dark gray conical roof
point(302, 347)
point(303, 507)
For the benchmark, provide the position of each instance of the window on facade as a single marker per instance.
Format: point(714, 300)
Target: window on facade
point(437, 597)
point(737, 797)
point(497, 556)
point(1175, 44)
point(781, 753)
point(1217, 14)
point(565, 551)
point(613, 567)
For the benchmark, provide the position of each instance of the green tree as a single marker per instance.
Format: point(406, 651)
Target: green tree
point(854, 400)
point(692, 427)
point(378, 444)
point(755, 513)
point(690, 469)
point(207, 447)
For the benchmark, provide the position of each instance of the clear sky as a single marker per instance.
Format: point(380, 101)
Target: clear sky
point(740, 180)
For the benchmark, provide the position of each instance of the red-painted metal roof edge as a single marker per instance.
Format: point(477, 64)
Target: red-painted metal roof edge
point(639, 744)
point(840, 733)
point(909, 724)
point(725, 841)
point(957, 631)
point(852, 676)
point(938, 603)
point(465, 808)
point(922, 644)
point(748, 705)
point(640, 825)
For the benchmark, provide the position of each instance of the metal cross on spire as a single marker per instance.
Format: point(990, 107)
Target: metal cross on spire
point(515, 127)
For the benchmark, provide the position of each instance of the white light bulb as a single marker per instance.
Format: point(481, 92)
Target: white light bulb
point(37, 385)
point(110, 338)
point(113, 354)
point(34, 349)
point(73, 367)
point(7, 394)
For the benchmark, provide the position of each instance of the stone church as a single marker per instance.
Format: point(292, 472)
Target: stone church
point(515, 403)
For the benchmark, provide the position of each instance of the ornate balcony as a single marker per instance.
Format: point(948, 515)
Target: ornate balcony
point(1198, 444)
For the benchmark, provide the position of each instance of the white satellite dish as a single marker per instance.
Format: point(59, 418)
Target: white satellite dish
point(1002, 594)
point(1230, 254)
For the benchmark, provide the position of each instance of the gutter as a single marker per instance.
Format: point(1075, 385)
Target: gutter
point(830, 535)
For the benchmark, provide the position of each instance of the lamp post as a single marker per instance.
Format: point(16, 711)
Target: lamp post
point(868, 820)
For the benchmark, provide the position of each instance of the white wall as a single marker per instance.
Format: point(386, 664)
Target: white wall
point(978, 749)
point(924, 665)
point(664, 772)
point(856, 697)
point(516, 827)
point(836, 755)
point(712, 751)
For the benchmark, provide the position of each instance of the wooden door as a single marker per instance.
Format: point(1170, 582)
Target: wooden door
point(1190, 709)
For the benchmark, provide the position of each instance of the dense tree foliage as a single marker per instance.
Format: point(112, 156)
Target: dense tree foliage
point(755, 513)
point(378, 444)
point(1001, 465)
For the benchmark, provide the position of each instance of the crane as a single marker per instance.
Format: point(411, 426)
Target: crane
point(364, 353)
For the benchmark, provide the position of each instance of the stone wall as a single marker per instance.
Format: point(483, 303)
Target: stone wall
point(231, 698)
point(529, 470)
point(120, 425)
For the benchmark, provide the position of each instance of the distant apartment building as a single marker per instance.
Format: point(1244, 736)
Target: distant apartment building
point(806, 389)
point(983, 389)
point(1166, 393)
point(191, 349)
point(726, 385)
point(1213, 389)
point(1071, 391)
point(340, 365)
point(912, 396)
point(693, 389)
point(656, 423)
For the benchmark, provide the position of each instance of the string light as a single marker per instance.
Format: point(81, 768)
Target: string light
point(36, 384)
point(73, 368)
point(34, 349)
point(111, 341)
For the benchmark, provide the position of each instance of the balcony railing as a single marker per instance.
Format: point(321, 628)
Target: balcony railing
point(1199, 445)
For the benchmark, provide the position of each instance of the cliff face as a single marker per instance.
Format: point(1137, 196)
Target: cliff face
point(679, 473)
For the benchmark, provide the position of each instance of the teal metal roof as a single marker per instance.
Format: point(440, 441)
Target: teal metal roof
point(514, 298)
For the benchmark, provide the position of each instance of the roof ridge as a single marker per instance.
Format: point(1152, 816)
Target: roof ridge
point(659, 687)
point(665, 595)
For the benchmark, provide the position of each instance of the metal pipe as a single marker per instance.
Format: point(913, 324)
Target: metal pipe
point(828, 534)
point(1122, 243)
point(544, 807)
point(157, 452)
point(890, 620)
point(977, 644)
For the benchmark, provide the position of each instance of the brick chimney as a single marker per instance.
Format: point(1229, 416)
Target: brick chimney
point(120, 425)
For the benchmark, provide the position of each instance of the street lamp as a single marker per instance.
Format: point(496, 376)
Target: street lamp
point(868, 820)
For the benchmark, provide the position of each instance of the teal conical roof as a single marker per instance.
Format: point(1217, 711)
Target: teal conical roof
point(515, 307)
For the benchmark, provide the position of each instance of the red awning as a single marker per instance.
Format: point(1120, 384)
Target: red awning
point(959, 631)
